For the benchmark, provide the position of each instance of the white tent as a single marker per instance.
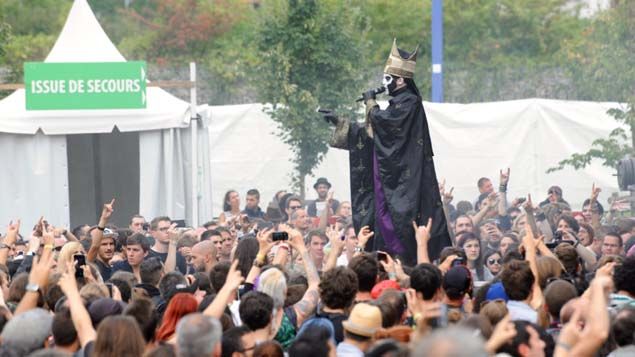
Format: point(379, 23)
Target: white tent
point(469, 141)
point(34, 148)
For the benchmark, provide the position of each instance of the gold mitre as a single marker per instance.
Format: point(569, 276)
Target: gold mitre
point(401, 63)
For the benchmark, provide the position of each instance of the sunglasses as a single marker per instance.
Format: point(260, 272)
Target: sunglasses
point(493, 261)
point(553, 192)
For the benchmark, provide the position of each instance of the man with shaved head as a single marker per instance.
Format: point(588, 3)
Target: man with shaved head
point(204, 256)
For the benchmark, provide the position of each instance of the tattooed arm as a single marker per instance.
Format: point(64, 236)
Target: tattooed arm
point(305, 308)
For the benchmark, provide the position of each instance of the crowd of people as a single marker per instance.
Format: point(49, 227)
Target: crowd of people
point(296, 278)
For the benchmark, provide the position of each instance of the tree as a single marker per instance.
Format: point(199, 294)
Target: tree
point(603, 68)
point(312, 54)
point(612, 149)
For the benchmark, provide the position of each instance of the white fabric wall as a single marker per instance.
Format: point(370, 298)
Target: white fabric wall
point(469, 141)
point(165, 172)
point(34, 180)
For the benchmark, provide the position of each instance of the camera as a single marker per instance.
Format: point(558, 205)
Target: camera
point(458, 261)
point(557, 239)
point(278, 236)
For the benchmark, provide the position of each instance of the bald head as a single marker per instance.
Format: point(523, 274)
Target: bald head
point(204, 256)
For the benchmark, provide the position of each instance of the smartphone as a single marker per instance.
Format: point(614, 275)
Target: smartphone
point(277, 236)
point(80, 261)
point(382, 257)
point(458, 261)
point(179, 223)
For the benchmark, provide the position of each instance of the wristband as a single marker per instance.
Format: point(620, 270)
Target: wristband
point(502, 188)
point(392, 276)
point(49, 246)
point(101, 228)
point(258, 263)
point(358, 249)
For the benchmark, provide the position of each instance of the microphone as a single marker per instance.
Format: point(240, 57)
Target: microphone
point(377, 90)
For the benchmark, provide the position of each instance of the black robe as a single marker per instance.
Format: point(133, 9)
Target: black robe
point(401, 140)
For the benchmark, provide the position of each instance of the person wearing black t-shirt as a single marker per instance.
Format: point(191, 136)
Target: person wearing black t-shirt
point(159, 228)
point(102, 247)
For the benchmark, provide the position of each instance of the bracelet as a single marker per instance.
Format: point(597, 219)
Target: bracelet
point(502, 188)
point(49, 246)
point(564, 346)
point(101, 228)
point(358, 249)
point(260, 257)
point(392, 276)
point(259, 264)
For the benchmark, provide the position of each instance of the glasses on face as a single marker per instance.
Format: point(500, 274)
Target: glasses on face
point(492, 261)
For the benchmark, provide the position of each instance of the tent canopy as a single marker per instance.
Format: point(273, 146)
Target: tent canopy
point(38, 168)
point(469, 140)
point(83, 40)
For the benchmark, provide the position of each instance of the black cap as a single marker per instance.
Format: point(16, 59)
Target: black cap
point(322, 181)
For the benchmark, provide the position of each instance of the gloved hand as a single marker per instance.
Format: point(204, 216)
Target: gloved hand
point(368, 95)
point(329, 116)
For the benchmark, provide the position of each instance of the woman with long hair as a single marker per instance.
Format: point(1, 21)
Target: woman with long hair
point(118, 336)
point(67, 254)
point(180, 305)
point(231, 206)
point(471, 244)
point(493, 259)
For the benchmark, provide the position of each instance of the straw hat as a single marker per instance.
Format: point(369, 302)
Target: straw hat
point(364, 320)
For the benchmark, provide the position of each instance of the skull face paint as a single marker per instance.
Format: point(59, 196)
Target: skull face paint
point(389, 82)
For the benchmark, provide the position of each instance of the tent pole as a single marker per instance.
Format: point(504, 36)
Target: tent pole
point(194, 141)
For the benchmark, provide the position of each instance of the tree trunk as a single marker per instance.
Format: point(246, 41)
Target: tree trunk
point(302, 185)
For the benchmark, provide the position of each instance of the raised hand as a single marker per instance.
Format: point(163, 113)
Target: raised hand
point(335, 239)
point(264, 241)
point(504, 331)
point(504, 177)
point(173, 234)
point(422, 233)
point(529, 206)
point(67, 282)
point(595, 193)
point(13, 227)
point(234, 278)
point(108, 209)
point(364, 235)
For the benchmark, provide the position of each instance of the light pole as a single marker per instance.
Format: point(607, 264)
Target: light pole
point(437, 51)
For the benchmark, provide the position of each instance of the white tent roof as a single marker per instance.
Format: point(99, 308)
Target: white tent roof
point(83, 40)
point(469, 141)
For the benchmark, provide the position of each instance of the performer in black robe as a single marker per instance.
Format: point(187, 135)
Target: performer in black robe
point(393, 181)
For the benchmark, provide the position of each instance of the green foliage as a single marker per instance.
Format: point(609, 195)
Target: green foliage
point(601, 62)
point(312, 55)
point(602, 67)
point(612, 149)
point(25, 48)
point(29, 31)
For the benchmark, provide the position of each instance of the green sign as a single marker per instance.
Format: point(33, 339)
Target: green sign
point(111, 85)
